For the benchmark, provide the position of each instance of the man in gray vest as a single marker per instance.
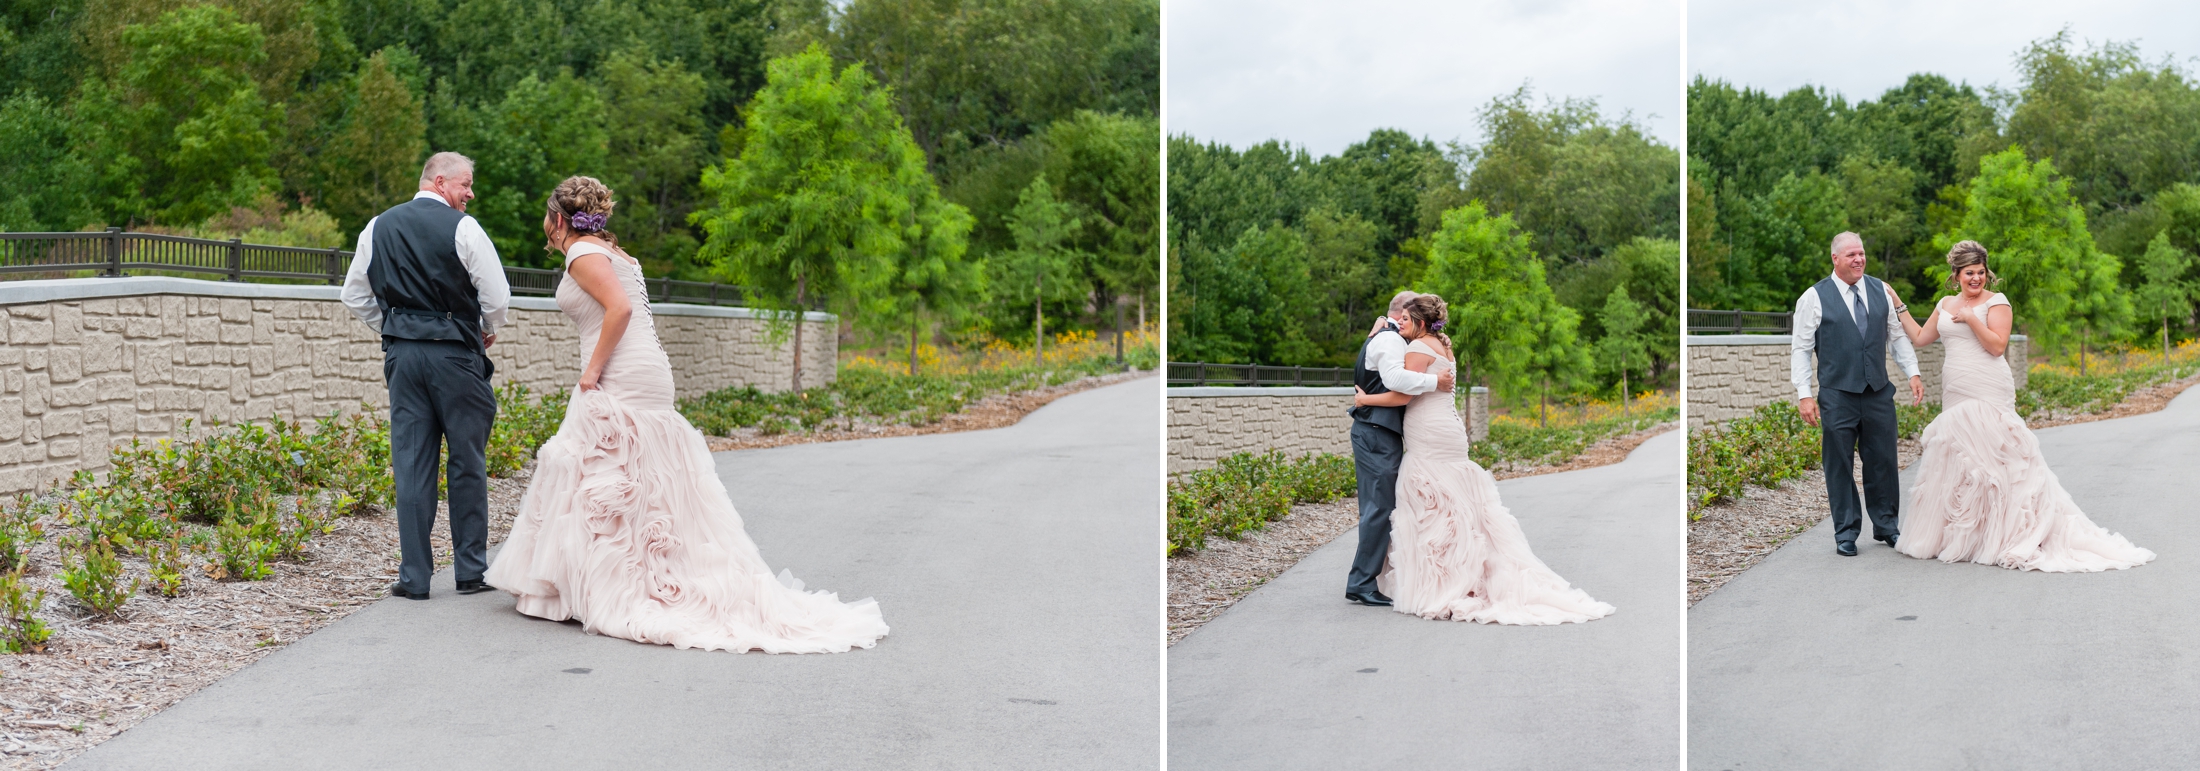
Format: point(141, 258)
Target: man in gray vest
point(1379, 445)
point(426, 278)
point(1845, 320)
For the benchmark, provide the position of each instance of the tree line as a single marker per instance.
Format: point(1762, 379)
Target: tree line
point(2083, 182)
point(1555, 241)
point(1001, 157)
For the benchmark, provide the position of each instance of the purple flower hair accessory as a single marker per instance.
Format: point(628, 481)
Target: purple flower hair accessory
point(588, 222)
point(1436, 326)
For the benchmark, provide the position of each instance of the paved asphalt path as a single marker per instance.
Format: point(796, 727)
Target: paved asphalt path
point(1019, 570)
point(1293, 677)
point(1813, 660)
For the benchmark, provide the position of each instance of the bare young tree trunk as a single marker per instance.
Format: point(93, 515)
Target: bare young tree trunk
point(801, 302)
point(918, 321)
point(1623, 394)
point(1038, 320)
point(1118, 331)
point(1543, 411)
point(2085, 338)
point(1141, 310)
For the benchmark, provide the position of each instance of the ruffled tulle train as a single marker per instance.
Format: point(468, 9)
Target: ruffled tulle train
point(1984, 494)
point(627, 528)
point(1457, 554)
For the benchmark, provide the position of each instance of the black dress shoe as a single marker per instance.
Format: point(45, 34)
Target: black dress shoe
point(1845, 548)
point(1889, 540)
point(398, 590)
point(1371, 598)
point(476, 586)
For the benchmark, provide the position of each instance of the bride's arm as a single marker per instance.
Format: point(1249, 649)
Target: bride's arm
point(1415, 361)
point(1992, 327)
point(1920, 335)
point(594, 274)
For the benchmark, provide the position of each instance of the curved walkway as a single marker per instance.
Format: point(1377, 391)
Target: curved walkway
point(1293, 677)
point(1018, 568)
point(1813, 660)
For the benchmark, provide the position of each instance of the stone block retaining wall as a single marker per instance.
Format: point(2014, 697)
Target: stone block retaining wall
point(86, 364)
point(1209, 424)
point(1730, 376)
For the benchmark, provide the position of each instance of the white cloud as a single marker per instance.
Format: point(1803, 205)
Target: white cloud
point(1324, 74)
point(1861, 49)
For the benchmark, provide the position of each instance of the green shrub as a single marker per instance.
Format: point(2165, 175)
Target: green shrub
point(93, 574)
point(166, 560)
point(19, 530)
point(20, 629)
point(523, 424)
point(1246, 491)
point(242, 550)
point(1768, 447)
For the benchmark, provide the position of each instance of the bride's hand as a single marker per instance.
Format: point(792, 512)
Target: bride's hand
point(590, 380)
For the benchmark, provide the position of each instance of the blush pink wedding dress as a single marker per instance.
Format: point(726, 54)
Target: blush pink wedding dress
point(1455, 552)
point(1984, 493)
point(627, 529)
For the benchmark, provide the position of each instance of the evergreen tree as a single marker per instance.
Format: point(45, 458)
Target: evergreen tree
point(374, 162)
point(2164, 293)
point(1043, 228)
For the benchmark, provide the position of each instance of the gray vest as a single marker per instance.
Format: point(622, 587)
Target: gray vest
point(423, 288)
point(1848, 361)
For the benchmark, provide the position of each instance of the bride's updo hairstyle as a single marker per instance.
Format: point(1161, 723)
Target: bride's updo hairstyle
point(584, 204)
point(1430, 311)
point(1966, 254)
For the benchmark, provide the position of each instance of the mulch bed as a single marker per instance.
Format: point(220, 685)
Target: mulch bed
point(1203, 584)
point(1733, 537)
point(97, 677)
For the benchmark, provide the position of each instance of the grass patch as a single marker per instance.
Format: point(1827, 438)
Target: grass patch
point(883, 392)
point(1247, 491)
point(1770, 446)
point(1566, 431)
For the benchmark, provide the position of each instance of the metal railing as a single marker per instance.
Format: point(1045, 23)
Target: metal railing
point(1202, 374)
point(117, 253)
point(1711, 322)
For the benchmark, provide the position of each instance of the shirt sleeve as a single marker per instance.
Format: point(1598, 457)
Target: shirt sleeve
point(1389, 352)
point(479, 255)
point(1803, 342)
point(1905, 354)
point(358, 293)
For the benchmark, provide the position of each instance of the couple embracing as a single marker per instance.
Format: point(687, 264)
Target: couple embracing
point(1984, 492)
point(625, 526)
point(1435, 541)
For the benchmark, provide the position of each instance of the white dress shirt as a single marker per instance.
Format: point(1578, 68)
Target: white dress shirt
point(474, 251)
point(1386, 354)
point(1805, 341)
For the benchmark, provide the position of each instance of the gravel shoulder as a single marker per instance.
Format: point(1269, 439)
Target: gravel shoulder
point(1203, 584)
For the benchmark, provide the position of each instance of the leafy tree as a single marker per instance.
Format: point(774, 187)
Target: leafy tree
point(181, 129)
point(374, 162)
point(2165, 293)
point(932, 277)
point(1109, 168)
point(1782, 239)
point(1581, 183)
point(50, 186)
point(818, 197)
point(1622, 348)
point(1510, 331)
point(2023, 213)
point(542, 132)
point(654, 127)
point(1043, 228)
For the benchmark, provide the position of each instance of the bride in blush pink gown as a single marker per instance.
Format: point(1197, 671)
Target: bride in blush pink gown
point(625, 526)
point(1984, 493)
point(1456, 553)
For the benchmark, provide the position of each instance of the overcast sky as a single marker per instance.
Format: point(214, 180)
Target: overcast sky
point(1861, 49)
point(1323, 73)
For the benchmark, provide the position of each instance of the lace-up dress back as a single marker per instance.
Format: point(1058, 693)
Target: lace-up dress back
point(1984, 492)
point(1456, 553)
point(627, 528)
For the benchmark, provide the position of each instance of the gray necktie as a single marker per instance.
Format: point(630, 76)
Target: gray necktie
point(1859, 312)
